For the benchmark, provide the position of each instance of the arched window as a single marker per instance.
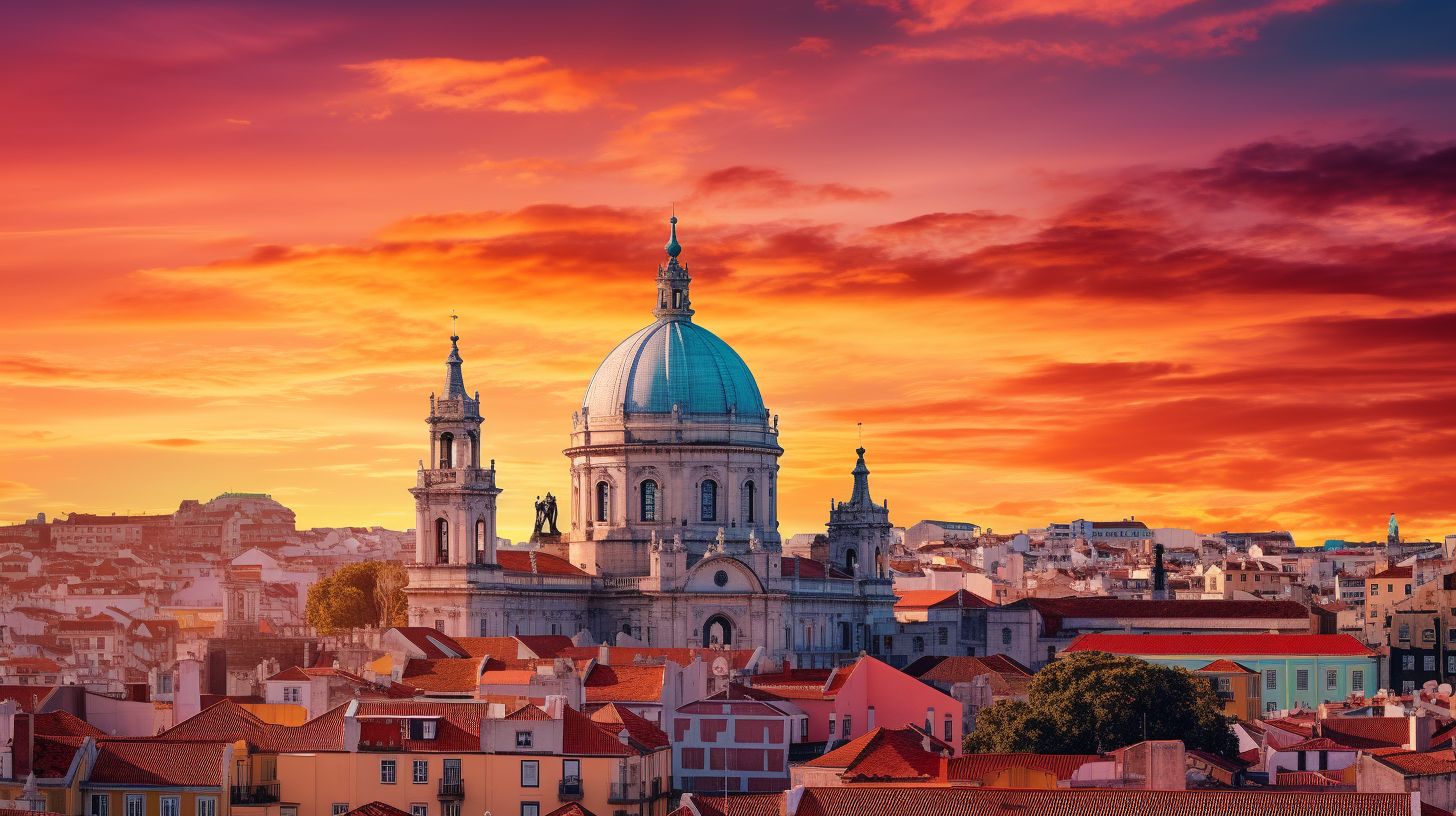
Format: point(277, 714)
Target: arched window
point(709, 500)
point(447, 450)
point(846, 637)
point(750, 497)
point(474, 450)
point(851, 560)
point(604, 497)
point(480, 541)
point(649, 500)
point(442, 541)
point(879, 564)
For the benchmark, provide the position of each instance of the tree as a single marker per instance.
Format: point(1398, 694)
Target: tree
point(356, 596)
point(1090, 702)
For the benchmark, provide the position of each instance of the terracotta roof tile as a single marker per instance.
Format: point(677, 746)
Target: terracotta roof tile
point(571, 809)
point(614, 719)
point(976, 767)
point(624, 684)
point(1223, 644)
point(540, 564)
point(1367, 732)
point(922, 801)
point(885, 755)
point(1417, 763)
point(1317, 744)
point(738, 804)
point(65, 724)
point(940, 599)
point(294, 673)
point(582, 737)
point(376, 809)
point(434, 643)
point(1226, 666)
point(159, 763)
point(459, 674)
point(1054, 610)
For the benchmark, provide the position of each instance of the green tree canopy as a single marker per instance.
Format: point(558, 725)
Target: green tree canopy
point(356, 596)
point(1089, 702)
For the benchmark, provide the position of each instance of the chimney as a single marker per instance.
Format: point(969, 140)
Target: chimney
point(1422, 727)
point(554, 705)
point(604, 655)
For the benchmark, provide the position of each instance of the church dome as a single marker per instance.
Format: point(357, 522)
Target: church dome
point(673, 362)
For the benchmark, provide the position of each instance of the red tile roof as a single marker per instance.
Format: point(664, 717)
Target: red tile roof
point(540, 564)
point(229, 721)
point(376, 809)
point(1317, 744)
point(65, 724)
point(459, 674)
point(53, 756)
point(582, 737)
point(925, 801)
point(977, 767)
point(795, 684)
point(458, 726)
point(638, 655)
point(1367, 732)
point(624, 684)
point(884, 755)
point(27, 696)
point(571, 809)
point(1416, 763)
point(1306, 779)
point(294, 673)
point(808, 568)
point(1226, 666)
point(737, 804)
point(1392, 572)
point(614, 719)
point(1054, 610)
point(941, 599)
point(546, 646)
point(159, 763)
point(1224, 644)
point(432, 642)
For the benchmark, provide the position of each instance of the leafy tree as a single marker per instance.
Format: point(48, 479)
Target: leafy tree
point(1089, 702)
point(355, 596)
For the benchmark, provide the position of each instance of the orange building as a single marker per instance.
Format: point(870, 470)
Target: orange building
point(1237, 688)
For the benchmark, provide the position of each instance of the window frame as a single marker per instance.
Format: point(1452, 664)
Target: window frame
point(105, 801)
point(392, 768)
point(534, 765)
point(206, 806)
point(420, 772)
point(140, 800)
point(169, 805)
point(708, 500)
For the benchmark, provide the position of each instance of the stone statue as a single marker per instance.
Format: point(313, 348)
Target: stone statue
point(550, 515)
point(1392, 531)
point(540, 516)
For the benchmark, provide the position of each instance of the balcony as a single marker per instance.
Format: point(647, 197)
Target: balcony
point(265, 794)
point(452, 789)
point(570, 789)
point(623, 793)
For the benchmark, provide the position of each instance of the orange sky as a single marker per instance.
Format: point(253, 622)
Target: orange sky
point(1186, 260)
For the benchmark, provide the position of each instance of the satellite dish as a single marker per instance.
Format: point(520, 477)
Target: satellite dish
point(720, 666)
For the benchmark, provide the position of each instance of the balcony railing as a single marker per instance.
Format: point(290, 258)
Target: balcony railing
point(265, 794)
point(569, 789)
point(452, 789)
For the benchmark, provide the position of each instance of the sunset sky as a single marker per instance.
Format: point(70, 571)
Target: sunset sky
point(1187, 260)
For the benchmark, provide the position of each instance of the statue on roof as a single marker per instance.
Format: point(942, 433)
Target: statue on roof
point(1392, 531)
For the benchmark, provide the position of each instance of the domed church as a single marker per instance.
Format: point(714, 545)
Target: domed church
point(673, 536)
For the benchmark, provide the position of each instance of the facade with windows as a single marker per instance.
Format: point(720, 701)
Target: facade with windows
point(147, 777)
point(671, 535)
point(1421, 634)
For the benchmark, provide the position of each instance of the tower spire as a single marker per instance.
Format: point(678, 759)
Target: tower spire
point(454, 377)
point(861, 494)
point(673, 281)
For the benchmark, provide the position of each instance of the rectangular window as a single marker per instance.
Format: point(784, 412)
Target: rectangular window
point(419, 809)
point(1271, 679)
point(1271, 706)
point(1375, 589)
point(523, 739)
point(571, 771)
point(206, 806)
point(292, 694)
point(1451, 664)
point(530, 809)
point(136, 805)
point(421, 772)
point(171, 806)
point(100, 804)
point(1429, 662)
point(1301, 679)
point(1357, 680)
point(1408, 662)
point(847, 725)
point(1332, 679)
point(427, 729)
point(340, 808)
point(530, 773)
point(949, 725)
point(386, 771)
point(803, 729)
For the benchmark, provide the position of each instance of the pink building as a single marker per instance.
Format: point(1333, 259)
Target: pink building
point(737, 740)
point(847, 701)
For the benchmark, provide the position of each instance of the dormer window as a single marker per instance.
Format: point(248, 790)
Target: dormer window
point(523, 739)
point(423, 729)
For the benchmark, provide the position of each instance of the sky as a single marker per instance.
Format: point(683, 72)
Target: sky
point(1191, 261)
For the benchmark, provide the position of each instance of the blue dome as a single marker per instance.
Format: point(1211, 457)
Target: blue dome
point(673, 362)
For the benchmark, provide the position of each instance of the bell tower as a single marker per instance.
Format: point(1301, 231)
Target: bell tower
point(859, 529)
point(455, 498)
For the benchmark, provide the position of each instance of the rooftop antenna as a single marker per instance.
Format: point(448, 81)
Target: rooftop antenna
point(453, 317)
point(860, 427)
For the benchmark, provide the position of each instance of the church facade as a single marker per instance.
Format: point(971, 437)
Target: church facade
point(673, 535)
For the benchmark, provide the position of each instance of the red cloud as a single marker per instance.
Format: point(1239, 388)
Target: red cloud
point(765, 186)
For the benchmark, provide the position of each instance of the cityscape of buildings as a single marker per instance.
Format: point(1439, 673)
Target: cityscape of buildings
point(667, 649)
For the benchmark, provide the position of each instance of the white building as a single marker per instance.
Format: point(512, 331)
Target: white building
point(672, 535)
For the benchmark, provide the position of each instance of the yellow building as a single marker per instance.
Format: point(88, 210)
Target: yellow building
point(431, 758)
point(1237, 688)
point(153, 777)
point(1384, 590)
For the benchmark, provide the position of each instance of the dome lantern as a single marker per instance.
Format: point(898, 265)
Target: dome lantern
point(673, 302)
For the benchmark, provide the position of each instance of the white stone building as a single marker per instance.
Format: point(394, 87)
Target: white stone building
point(672, 532)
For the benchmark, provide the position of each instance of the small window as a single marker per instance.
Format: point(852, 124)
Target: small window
point(604, 504)
point(1428, 662)
point(171, 806)
point(136, 805)
point(1375, 589)
point(917, 644)
point(1428, 635)
point(386, 772)
point(1006, 636)
point(419, 809)
point(649, 500)
point(949, 728)
point(1271, 679)
point(803, 729)
point(1225, 685)
point(340, 808)
point(1301, 679)
point(942, 636)
point(532, 809)
point(530, 773)
point(206, 806)
point(428, 729)
point(1357, 680)
point(1408, 662)
point(100, 804)
point(848, 725)
point(1405, 631)
point(523, 739)
point(421, 772)
point(292, 694)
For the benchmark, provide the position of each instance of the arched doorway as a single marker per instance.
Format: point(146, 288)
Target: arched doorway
point(718, 630)
point(851, 561)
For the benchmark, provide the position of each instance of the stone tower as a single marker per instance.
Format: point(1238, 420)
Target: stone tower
point(455, 498)
point(859, 529)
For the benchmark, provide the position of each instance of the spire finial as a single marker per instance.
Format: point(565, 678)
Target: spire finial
point(673, 248)
point(454, 335)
